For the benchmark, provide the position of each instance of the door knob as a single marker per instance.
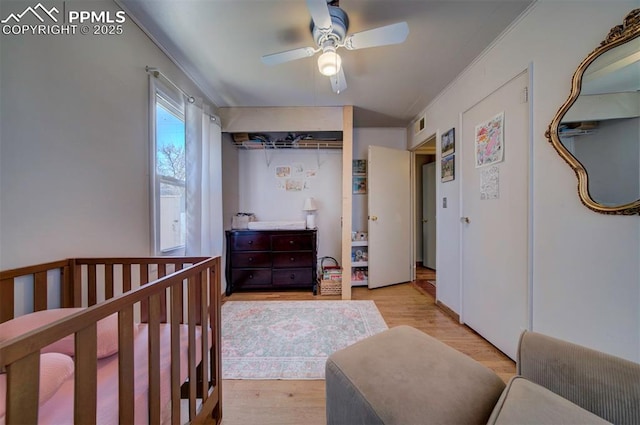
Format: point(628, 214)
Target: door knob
point(425, 220)
point(465, 220)
point(373, 218)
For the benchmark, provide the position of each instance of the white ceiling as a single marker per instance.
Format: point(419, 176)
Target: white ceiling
point(219, 43)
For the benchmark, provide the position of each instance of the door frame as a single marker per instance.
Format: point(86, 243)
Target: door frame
point(530, 199)
point(420, 148)
point(429, 209)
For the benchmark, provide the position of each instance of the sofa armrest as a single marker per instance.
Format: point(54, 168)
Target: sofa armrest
point(603, 384)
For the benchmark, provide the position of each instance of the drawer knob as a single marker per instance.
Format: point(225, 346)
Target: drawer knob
point(251, 242)
point(250, 276)
point(290, 242)
point(293, 276)
point(250, 259)
point(292, 259)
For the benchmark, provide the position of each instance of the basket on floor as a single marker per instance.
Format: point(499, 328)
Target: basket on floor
point(330, 287)
point(331, 279)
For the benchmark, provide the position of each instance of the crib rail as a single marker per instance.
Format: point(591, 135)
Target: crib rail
point(161, 287)
point(40, 277)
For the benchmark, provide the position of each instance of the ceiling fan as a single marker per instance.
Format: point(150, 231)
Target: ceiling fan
point(329, 25)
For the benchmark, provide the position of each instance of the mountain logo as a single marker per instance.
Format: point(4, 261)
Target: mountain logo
point(34, 11)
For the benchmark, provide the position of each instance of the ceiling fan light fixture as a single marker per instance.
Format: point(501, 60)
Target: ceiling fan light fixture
point(329, 63)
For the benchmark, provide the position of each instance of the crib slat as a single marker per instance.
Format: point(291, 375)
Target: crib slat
point(198, 299)
point(108, 281)
point(180, 296)
point(204, 346)
point(40, 291)
point(215, 317)
point(162, 272)
point(76, 272)
point(144, 274)
point(176, 318)
point(67, 287)
point(144, 304)
point(92, 289)
point(126, 367)
point(191, 311)
point(6, 299)
point(214, 323)
point(22, 390)
point(126, 277)
point(154, 359)
point(84, 403)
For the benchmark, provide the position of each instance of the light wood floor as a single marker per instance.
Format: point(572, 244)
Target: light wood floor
point(303, 402)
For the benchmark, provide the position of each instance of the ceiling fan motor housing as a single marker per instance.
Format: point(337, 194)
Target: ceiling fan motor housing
point(339, 23)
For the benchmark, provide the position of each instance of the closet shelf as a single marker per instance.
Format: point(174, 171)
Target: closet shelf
point(324, 140)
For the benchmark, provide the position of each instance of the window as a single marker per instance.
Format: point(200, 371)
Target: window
point(169, 164)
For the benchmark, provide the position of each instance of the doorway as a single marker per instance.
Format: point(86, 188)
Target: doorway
point(424, 183)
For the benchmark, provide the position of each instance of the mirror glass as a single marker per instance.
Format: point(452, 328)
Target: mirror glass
point(602, 127)
point(597, 130)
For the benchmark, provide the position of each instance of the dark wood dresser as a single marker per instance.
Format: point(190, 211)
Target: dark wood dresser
point(271, 260)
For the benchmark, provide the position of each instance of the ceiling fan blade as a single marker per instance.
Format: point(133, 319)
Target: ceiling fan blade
point(289, 55)
point(383, 36)
point(338, 82)
point(319, 11)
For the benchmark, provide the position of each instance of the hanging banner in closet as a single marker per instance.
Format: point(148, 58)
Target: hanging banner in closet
point(294, 177)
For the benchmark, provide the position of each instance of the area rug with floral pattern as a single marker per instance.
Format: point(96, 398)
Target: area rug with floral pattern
point(291, 339)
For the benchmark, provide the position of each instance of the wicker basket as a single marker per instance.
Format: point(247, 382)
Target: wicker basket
point(330, 287)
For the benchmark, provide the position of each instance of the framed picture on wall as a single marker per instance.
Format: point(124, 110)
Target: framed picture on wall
point(359, 167)
point(448, 142)
point(359, 185)
point(447, 171)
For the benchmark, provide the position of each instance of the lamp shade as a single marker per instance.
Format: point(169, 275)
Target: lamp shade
point(329, 63)
point(310, 205)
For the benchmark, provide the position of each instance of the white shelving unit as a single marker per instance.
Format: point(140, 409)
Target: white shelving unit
point(359, 265)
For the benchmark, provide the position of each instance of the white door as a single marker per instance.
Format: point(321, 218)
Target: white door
point(495, 220)
point(389, 216)
point(429, 215)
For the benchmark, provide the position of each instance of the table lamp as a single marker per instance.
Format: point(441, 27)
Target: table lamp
point(310, 207)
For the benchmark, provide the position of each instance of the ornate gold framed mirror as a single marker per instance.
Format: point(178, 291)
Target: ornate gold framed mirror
point(597, 130)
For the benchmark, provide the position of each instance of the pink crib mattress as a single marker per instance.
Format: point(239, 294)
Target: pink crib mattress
point(59, 409)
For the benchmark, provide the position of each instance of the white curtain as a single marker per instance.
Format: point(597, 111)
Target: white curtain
point(204, 182)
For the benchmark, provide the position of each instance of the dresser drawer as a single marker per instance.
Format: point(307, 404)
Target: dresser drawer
point(292, 259)
point(251, 259)
point(250, 241)
point(292, 242)
point(251, 278)
point(292, 277)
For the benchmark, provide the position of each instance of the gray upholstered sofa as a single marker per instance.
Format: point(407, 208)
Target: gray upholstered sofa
point(403, 376)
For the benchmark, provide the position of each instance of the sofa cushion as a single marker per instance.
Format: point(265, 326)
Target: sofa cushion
point(524, 402)
point(404, 376)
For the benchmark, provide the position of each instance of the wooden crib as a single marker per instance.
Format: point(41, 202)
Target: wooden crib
point(176, 297)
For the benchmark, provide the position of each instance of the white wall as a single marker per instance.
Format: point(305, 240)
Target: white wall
point(394, 138)
point(260, 192)
point(74, 154)
point(586, 273)
point(230, 179)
